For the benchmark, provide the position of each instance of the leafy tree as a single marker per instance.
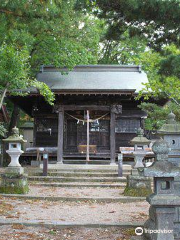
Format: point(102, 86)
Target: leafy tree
point(34, 33)
point(52, 31)
point(14, 74)
point(157, 115)
point(157, 20)
point(123, 51)
point(163, 77)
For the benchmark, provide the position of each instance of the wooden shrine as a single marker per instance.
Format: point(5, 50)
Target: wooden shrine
point(100, 98)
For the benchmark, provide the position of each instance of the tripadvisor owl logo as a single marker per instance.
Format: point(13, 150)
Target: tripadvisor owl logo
point(139, 231)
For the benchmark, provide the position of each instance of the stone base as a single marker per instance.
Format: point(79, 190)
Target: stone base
point(13, 181)
point(113, 164)
point(35, 163)
point(138, 186)
point(160, 219)
point(137, 238)
point(14, 170)
point(134, 172)
point(59, 162)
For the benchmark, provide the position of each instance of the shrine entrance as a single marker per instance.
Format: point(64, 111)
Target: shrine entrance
point(81, 139)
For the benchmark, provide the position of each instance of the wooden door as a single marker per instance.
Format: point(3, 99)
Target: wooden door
point(71, 135)
point(99, 135)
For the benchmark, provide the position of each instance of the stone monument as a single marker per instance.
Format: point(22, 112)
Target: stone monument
point(170, 132)
point(138, 185)
point(164, 200)
point(14, 180)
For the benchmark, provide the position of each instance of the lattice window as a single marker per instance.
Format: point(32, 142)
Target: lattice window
point(127, 125)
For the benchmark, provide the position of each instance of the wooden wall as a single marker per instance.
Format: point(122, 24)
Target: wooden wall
point(46, 133)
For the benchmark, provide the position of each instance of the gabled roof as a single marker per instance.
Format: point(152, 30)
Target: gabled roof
point(90, 78)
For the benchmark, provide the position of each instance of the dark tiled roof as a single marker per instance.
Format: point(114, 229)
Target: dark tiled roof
point(94, 77)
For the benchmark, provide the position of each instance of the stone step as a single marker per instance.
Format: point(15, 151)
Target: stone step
point(88, 167)
point(123, 199)
point(76, 179)
point(60, 224)
point(83, 161)
point(83, 170)
point(88, 170)
point(84, 174)
point(79, 184)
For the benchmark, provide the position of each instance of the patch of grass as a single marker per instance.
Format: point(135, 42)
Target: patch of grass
point(14, 189)
point(129, 232)
point(137, 192)
point(53, 231)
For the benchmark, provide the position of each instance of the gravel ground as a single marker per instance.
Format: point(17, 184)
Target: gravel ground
point(19, 232)
point(72, 212)
point(74, 192)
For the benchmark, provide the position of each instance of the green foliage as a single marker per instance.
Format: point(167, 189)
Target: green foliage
point(34, 33)
point(157, 115)
point(3, 129)
point(123, 51)
point(13, 68)
point(44, 91)
point(163, 73)
point(157, 20)
point(14, 73)
point(53, 32)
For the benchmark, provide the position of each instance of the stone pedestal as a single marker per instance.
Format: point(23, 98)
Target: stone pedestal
point(137, 186)
point(177, 210)
point(14, 181)
point(164, 202)
point(160, 225)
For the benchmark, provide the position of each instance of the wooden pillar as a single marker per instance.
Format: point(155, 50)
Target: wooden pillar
point(60, 134)
point(115, 110)
point(87, 151)
point(112, 137)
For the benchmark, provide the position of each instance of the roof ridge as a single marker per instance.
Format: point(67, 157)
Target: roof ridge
point(98, 67)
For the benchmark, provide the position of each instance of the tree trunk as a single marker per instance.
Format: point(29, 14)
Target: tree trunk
point(2, 97)
point(14, 118)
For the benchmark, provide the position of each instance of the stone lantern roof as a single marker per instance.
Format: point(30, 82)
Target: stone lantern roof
point(161, 167)
point(140, 139)
point(171, 126)
point(15, 137)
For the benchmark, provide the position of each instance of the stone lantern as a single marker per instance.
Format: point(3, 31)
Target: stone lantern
point(14, 180)
point(164, 200)
point(140, 143)
point(170, 132)
point(138, 185)
point(14, 151)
